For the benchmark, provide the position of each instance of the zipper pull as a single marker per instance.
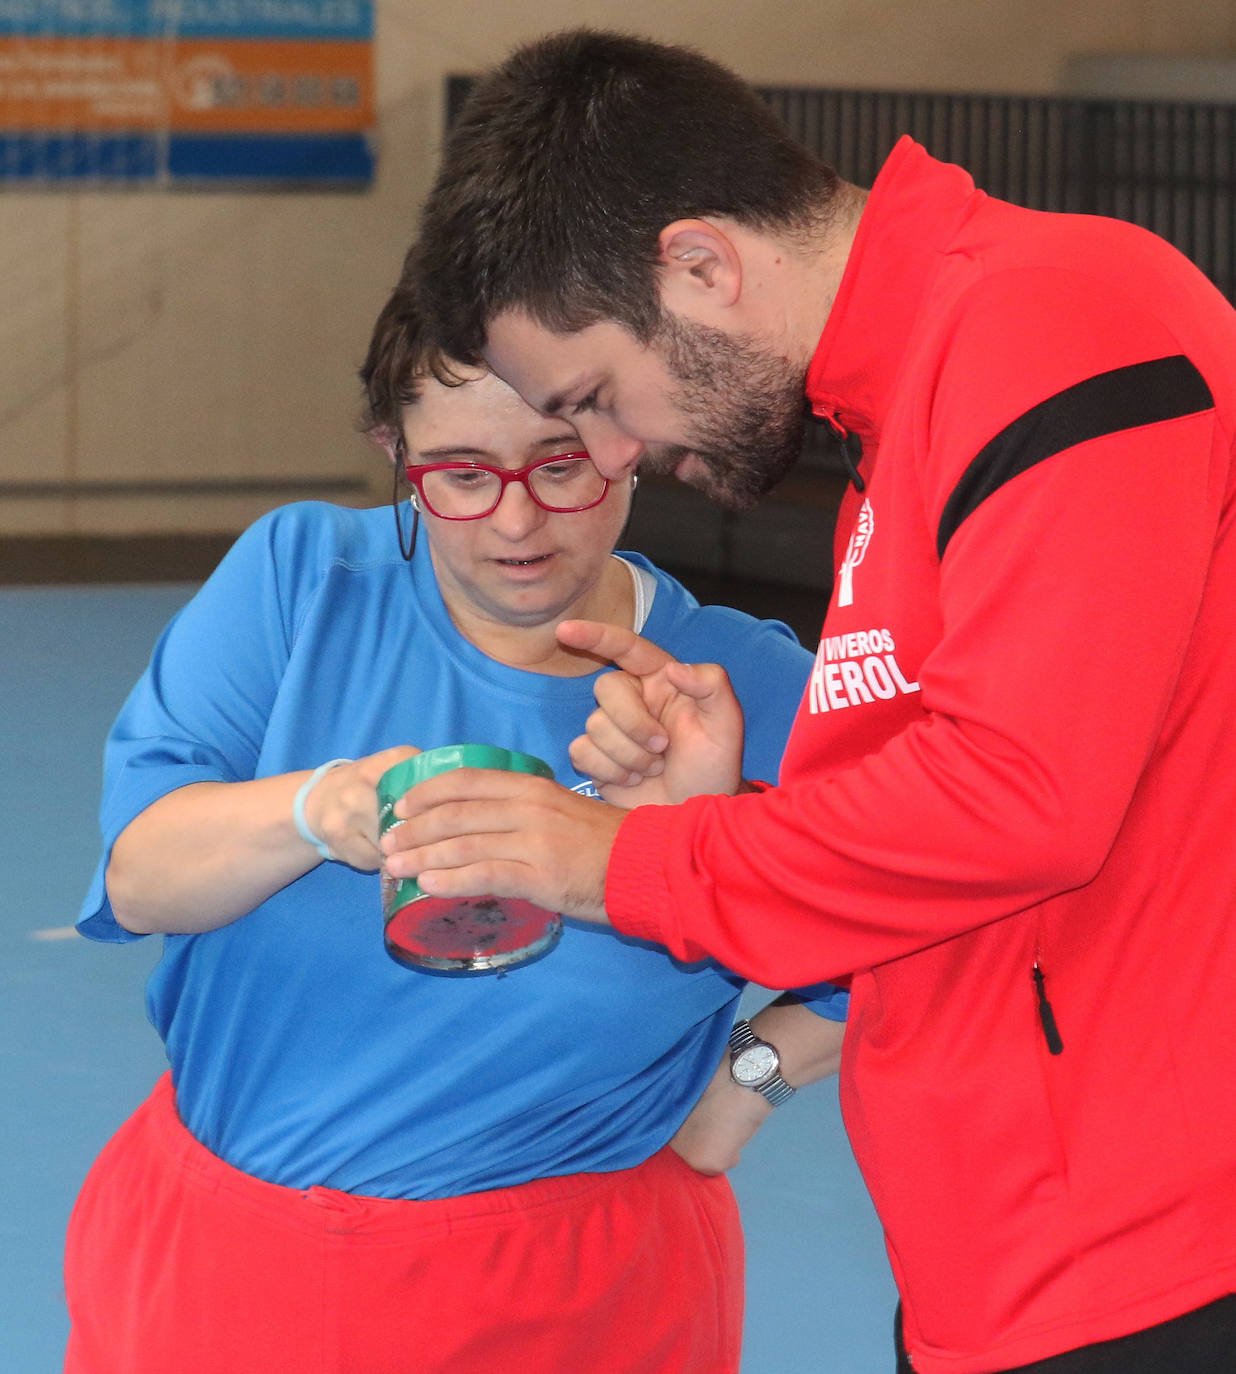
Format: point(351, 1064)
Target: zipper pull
point(849, 446)
point(851, 455)
point(1051, 1032)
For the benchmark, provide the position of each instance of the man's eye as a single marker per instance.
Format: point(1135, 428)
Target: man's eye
point(589, 402)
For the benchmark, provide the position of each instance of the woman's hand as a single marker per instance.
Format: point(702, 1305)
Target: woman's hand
point(342, 807)
point(727, 1116)
point(721, 1124)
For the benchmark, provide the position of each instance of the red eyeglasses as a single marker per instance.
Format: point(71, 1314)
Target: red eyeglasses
point(470, 491)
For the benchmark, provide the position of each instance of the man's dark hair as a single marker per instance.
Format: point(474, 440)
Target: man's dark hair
point(568, 160)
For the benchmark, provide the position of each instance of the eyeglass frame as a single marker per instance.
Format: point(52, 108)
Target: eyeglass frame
point(415, 473)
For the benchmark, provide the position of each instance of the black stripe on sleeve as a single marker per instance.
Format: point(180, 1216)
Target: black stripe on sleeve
point(1125, 398)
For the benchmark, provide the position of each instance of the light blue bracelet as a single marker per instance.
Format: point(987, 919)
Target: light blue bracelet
point(298, 806)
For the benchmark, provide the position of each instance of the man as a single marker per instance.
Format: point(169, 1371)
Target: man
point(1006, 808)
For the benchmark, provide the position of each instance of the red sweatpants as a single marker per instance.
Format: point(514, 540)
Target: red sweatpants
point(177, 1263)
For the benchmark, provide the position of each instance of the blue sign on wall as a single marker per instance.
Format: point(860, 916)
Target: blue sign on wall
point(220, 92)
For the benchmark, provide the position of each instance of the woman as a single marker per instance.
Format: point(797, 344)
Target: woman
point(361, 1167)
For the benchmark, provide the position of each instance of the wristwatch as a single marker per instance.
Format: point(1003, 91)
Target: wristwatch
point(755, 1064)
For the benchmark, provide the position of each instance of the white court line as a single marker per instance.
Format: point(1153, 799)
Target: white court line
point(55, 933)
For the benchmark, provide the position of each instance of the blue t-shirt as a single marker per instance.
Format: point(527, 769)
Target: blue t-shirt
point(300, 1051)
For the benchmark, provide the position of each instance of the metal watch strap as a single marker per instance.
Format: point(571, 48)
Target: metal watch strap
point(742, 1035)
point(776, 1090)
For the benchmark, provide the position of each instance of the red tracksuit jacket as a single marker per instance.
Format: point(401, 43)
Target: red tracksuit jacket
point(1012, 782)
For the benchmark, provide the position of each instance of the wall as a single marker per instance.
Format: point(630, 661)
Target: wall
point(180, 362)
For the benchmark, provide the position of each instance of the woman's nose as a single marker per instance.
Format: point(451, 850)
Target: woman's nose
point(516, 512)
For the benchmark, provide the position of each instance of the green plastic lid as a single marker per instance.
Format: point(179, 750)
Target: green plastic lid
point(396, 781)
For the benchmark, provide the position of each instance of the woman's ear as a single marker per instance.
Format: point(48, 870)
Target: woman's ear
point(384, 437)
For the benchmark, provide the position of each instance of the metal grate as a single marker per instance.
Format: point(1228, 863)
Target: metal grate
point(1168, 166)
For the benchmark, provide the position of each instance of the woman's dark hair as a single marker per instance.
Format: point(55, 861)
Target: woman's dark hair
point(568, 160)
point(401, 354)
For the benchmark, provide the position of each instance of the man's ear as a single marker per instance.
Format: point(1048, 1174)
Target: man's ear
point(700, 268)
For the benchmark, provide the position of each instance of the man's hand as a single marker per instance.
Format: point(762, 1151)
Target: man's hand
point(473, 832)
point(663, 730)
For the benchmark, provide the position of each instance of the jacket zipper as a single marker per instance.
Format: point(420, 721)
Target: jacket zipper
point(849, 447)
point(1051, 1032)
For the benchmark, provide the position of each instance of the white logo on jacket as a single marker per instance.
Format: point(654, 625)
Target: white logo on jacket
point(856, 551)
point(855, 670)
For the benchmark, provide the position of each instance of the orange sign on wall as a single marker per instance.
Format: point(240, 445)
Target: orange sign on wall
point(217, 85)
point(202, 92)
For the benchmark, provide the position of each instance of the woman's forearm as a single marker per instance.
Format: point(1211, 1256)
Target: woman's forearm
point(727, 1116)
point(206, 854)
point(809, 1046)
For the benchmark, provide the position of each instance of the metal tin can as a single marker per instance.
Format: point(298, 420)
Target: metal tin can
point(459, 936)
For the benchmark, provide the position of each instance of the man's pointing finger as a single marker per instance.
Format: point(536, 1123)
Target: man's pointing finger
point(620, 646)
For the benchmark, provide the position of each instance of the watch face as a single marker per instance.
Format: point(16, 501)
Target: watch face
point(754, 1064)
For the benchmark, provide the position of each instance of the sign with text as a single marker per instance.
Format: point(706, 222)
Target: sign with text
point(187, 91)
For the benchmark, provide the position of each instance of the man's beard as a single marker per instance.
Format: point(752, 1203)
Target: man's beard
point(745, 408)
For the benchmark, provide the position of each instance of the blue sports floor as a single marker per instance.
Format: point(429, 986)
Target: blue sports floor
point(76, 1052)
